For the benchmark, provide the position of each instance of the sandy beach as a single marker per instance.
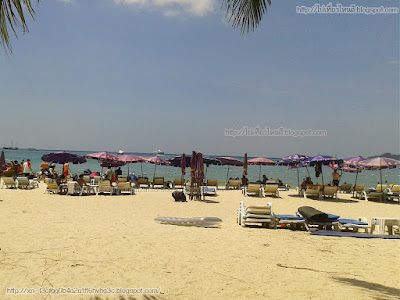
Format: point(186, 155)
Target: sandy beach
point(58, 241)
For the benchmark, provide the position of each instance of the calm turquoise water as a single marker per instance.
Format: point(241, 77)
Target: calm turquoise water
point(370, 178)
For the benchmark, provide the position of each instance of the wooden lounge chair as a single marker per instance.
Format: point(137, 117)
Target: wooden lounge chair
point(126, 187)
point(9, 183)
point(345, 188)
point(256, 214)
point(271, 190)
point(24, 183)
point(178, 182)
point(143, 181)
point(313, 192)
point(330, 192)
point(105, 188)
point(254, 189)
point(233, 183)
point(159, 181)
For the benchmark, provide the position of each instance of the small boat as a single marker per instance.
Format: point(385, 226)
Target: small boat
point(120, 151)
point(158, 152)
point(32, 149)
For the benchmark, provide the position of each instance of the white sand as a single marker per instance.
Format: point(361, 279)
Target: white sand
point(113, 241)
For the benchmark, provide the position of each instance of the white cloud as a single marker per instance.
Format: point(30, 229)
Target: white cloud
point(174, 8)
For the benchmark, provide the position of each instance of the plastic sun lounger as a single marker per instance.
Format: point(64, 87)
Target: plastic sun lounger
point(313, 192)
point(272, 190)
point(256, 214)
point(253, 189)
point(24, 183)
point(355, 225)
point(233, 183)
point(159, 181)
point(9, 183)
point(178, 182)
point(198, 222)
point(206, 190)
point(212, 182)
point(143, 181)
point(394, 193)
point(345, 188)
point(125, 187)
point(330, 192)
point(105, 188)
point(52, 187)
point(314, 217)
point(290, 221)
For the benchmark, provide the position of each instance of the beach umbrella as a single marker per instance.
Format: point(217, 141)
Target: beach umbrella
point(104, 156)
point(131, 159)
point(322, 160)
point(199, 174)
point(157, 160)
point(379, 163)
point(294, 161)
point(183, 164)
point(245, 164)
point(229, 161)
point(261, 161)
point(351, 165)
point(63, 157)
point(2, 162)
point(193, 165)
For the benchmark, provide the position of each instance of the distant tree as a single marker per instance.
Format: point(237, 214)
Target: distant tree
point(243, 14)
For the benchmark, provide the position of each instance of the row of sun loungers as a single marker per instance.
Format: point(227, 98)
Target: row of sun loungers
point(19, 183)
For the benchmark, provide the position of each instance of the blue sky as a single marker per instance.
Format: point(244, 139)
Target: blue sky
point(172, 74)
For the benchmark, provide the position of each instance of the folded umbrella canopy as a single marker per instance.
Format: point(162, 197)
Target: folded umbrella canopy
point(63, 157)
point(2, 161)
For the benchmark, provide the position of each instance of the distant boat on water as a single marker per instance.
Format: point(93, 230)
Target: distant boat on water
point(158, 152)
point(32, 149)
point(12, 147)
point(120, 151)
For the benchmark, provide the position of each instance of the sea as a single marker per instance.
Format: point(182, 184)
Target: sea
point(289, 176)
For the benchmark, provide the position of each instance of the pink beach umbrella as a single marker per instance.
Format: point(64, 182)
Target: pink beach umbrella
point(131, 159)
point(379, 163)
point(156, 160)
point(261, 161)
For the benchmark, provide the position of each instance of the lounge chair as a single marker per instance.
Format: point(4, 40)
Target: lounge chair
point(105, 188)
point(52, 187)
point(314, 217)
point(394, 193)
point(382, 223)
point(87, 179)
point(178, 182)
point(212, 182)
point(233, 183)
point(372, 196)
point(355, 225)
point(271, 190)
point(358, 190)
point(126, 187)
point(157, 181)
point(74, 188)
point(9, 183)
point(254, 189)
point(143, 181)
point(345, 188)
point(381, 188)
point(122, 179)
point(290, 221)
point(330, 192)
point(256, 214)
point(208, 190)
point(313, 192)
point(96, 180)
point(24, 183)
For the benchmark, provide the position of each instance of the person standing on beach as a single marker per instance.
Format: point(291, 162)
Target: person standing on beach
point(335, 178)
point(66, 170)
point(44, 167)
point(27, 168)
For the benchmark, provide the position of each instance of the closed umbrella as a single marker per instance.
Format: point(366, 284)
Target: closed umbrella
point(245, 164)
point(2, 162)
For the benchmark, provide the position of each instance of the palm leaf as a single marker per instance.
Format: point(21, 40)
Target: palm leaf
point(246, 14)
point(12, 16)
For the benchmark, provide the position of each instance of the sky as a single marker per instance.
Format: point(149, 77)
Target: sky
point(142, 75)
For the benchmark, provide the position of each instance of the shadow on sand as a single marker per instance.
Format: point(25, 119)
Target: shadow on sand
point(379, 288)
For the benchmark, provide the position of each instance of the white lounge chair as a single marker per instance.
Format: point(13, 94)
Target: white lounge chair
point(271, 190)
point(256, 214)
point(394, 193)
point(254, 189)
point(9, 183)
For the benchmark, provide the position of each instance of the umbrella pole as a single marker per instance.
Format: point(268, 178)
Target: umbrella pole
point(259, 174)
point(380, 172)
point(355, 182)
point(154, 175)
point(227, 174)
point(308, 172)
point(141, 167)
point(298, 179)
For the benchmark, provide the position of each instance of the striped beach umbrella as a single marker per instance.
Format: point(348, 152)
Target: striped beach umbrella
point(379, 163)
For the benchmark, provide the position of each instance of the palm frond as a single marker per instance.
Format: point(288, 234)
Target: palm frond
point(12, 15)
point(246, 14)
